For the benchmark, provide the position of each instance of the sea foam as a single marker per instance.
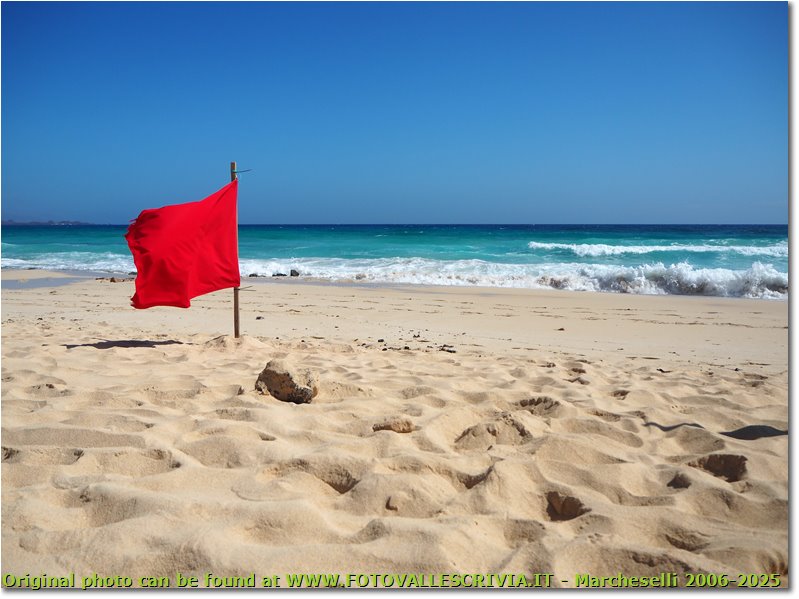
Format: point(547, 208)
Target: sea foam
point(77, 261)
point(601, 249)
point(758, 281)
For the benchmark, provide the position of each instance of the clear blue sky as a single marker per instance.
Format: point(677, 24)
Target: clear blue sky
point(398, 113)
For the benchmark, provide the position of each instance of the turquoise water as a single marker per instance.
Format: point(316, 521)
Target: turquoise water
point(739, 260)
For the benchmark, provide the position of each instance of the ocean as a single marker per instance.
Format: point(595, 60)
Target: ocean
point(711, 260)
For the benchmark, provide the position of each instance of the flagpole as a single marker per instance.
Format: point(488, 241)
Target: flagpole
point(233, 177)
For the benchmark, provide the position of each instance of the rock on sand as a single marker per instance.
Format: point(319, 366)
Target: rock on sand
point(287, 383)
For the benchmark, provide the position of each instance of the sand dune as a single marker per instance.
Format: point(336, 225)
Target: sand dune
point(648, 435)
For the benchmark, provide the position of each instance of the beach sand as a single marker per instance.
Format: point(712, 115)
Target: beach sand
point(456, 430)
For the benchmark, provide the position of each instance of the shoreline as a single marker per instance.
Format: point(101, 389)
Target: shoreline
point(704, 328)
point(17, 274)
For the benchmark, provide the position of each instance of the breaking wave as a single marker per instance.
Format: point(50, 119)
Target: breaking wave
point(779, 250)
point(758, 281)
point(77, 261)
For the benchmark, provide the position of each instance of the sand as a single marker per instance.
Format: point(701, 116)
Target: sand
point(456, 430)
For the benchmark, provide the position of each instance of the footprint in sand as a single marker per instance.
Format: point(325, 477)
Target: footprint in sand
point(543, 405)
point(239, 414)
point(219, 451)
point(131, 462)
point(48, 390)
point(476, 397)
point(416, 391)
point(505, 431)
point(606, 416)
point(519, 532)
point(687, 540)
point(679, 481)
point(469, 481)
point(340, 477)
point(562, 507)
point(729, 467)
point(114, 423)
point(42, 455)
point(585, 426)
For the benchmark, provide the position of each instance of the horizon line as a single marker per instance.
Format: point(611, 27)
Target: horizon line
point(65, 223)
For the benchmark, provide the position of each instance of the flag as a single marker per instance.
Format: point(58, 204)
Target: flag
point(185, 250)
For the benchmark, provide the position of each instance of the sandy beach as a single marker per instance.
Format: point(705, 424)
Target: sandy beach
point(456, 430)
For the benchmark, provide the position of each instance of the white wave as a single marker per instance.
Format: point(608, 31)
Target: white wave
point(600, 249)
point(79, 261)
point(758, 281)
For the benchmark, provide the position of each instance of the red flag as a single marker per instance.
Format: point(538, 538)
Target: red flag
point(185, 250)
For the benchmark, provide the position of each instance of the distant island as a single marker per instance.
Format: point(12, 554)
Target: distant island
point(49, 223)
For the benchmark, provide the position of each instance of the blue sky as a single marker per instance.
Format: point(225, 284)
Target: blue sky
point(398, 112)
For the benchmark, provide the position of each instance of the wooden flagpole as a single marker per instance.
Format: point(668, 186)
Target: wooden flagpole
point(233, 176)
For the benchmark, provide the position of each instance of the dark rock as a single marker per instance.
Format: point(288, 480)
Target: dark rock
point(287, 383)
point(279, 274)
point(294, 273)
point(253, 275)
point(259, 318)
